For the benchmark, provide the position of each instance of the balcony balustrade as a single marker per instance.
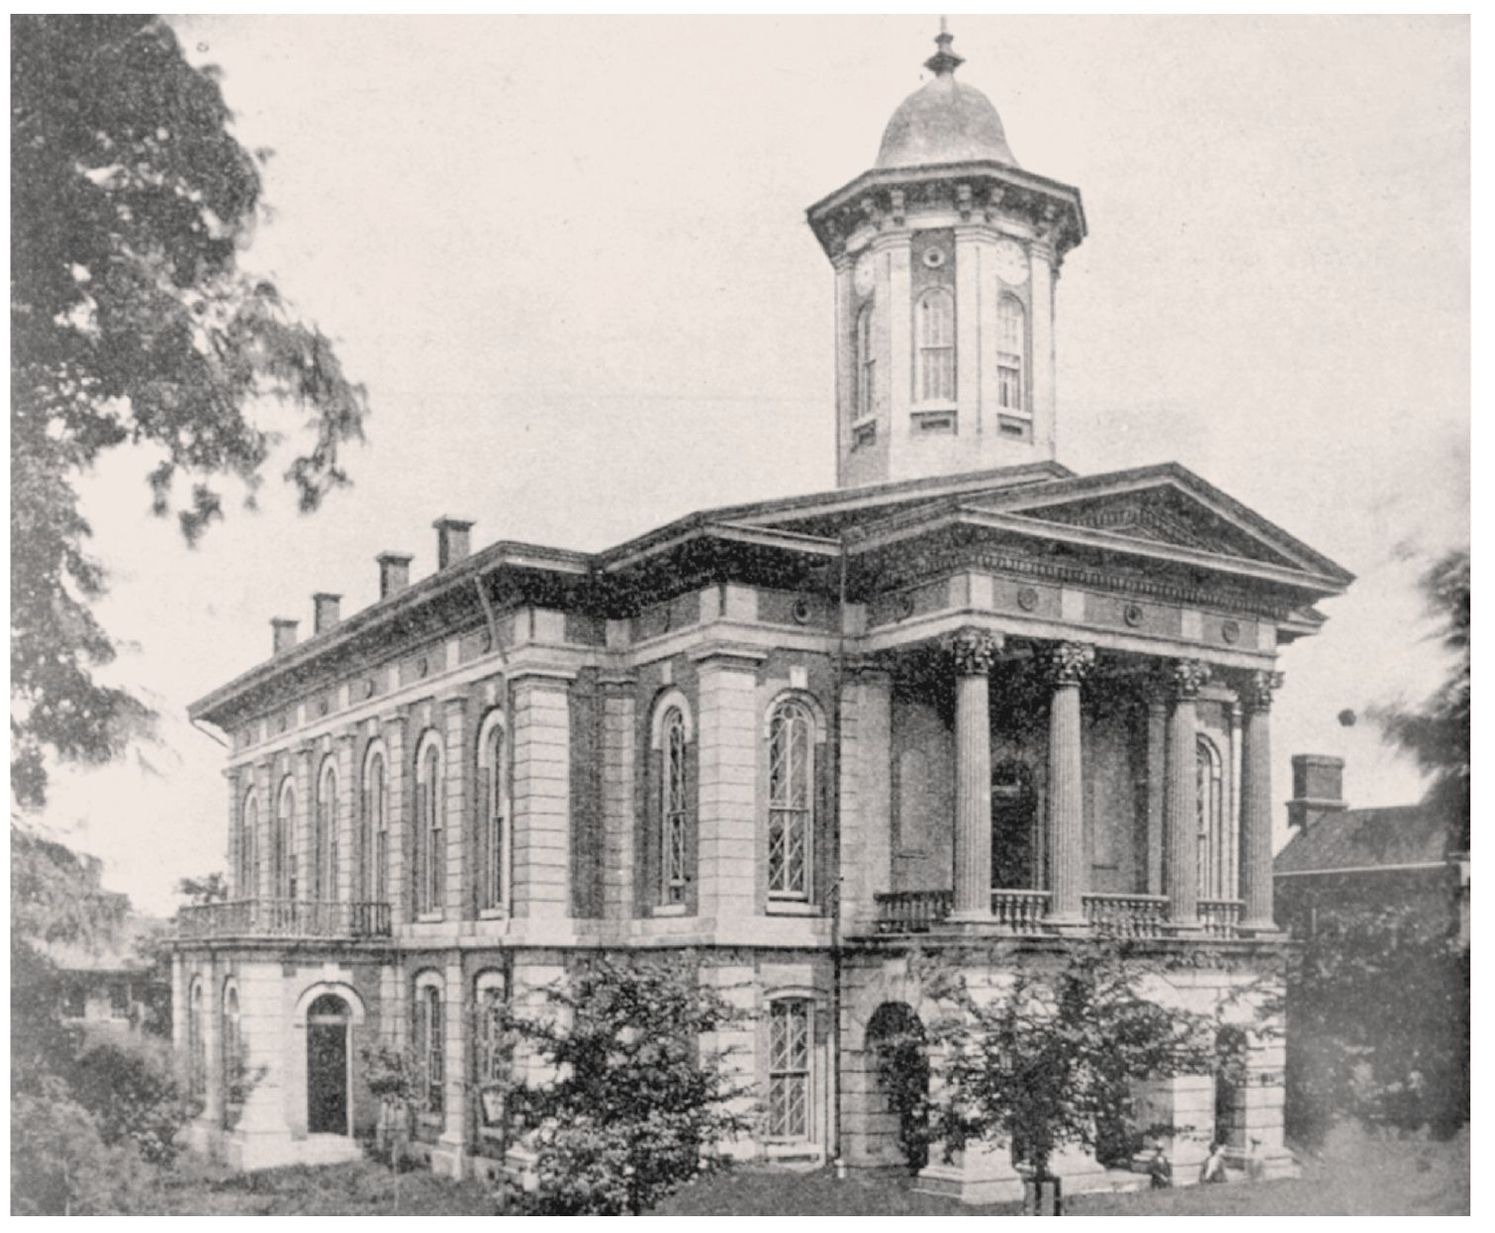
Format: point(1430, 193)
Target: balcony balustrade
point(1023, 911)
point(1221, 918)
point(284, 918)
point(1127, 916)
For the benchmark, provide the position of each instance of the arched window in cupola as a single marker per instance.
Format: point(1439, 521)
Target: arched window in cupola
point(934, 319)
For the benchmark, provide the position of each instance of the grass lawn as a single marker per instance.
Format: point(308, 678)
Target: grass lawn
point(1357, 1175)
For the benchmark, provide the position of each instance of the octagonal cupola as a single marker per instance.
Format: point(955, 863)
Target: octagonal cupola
point(946, 256)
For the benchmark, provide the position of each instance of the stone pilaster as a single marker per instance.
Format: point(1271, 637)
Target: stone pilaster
point(973, 651)
point(301, 876)
point(212, 1039)
point(1181, 801)
point(398, 772)
point(542, 794)
point(866, 790)
point(728, 740)
point(619, 719)
point(1157, 772)
point(450, 1157)
point(1066, 664)
point(264, 793)
point(457, 762)
point(1041, 379)
point(1256, 800)
point(345, 838)
point(235, 780)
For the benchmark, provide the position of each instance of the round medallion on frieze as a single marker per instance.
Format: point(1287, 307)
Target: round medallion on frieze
point(934, 258)
point(1027, 598)
point(904, 607)
point(1230, 631)
point(801, 611)
point(323, 706)
point(1132, 614)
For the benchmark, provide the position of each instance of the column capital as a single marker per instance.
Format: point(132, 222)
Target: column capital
point(1067, 663)
point(1186, 677)
point(974, 650)
point(1255, 689)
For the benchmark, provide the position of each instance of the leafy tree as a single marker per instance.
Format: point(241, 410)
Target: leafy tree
point(133, 325)
point(210, 888)
point(1437, 732)
point(628, 1107)
point(1050, 1059)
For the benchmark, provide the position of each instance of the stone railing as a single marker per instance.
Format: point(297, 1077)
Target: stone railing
point(1127, 916)
point(912, 911)
point(284, 918)
point(1019, 910)
point(1221, 918)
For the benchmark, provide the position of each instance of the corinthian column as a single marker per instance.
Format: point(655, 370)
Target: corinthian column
point(1066, 664)
point(1181, 800)
point(973, 651)
point(1256, 800)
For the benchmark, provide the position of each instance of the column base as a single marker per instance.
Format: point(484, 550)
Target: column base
point(449, 1158)
point(981, 1174)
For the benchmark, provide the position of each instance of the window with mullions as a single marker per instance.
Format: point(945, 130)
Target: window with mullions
point(1212, 862)
point(491, 1053)
point(790, 1027)
point(674, 808)
point(283, 854)
point(375, 828)
point(866, 361)
point(428, 835)
point(1012, 345)
point(249, 848)
point(791, 812)
point(493, 890)
point(935, 322)
point(324, 835)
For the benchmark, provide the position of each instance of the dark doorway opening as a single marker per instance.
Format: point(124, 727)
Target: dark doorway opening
point(327, 1026)
point(1013, 818)
point(895, 1038)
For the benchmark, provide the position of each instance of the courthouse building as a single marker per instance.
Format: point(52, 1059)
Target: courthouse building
point(969, 702)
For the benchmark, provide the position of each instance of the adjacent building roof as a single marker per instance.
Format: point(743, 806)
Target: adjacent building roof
point(1366, 841)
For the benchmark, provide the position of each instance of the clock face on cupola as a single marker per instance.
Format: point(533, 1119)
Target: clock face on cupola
point(946, 255)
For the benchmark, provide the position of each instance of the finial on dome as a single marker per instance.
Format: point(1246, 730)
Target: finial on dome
point(944, 61)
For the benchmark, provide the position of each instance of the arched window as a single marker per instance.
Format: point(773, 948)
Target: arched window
point(1012, 346)
point(674, 807)
point(1211, 830)
point(197, 1050)
point(791, 799)
point(427, 1035)
point(283, 855)
point(491, 1055)
point(429, 806)
point(249, 847)
point(493, 805)
point(233, 1058)
point(866, 361)
point(375, 827)
point(790, 1077)
point(324, 835)
point(935, 323)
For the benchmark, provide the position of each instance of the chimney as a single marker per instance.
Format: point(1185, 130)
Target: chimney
point(394, 573)
point(1318, 788)
point(324, 611)
point(452, 541)
point(285, 633)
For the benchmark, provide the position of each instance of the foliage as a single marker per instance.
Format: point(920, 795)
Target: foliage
point(132, 326)
point(392, 1076)
point(1437, 732)
point(133, 1097)
point(210, 888)
point(903, 1074)
point(1049, 1059)
point(627, 1102)
point(1378, 1021)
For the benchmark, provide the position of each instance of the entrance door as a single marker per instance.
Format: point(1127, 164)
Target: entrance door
point(327, 1066)
point(1013, 815)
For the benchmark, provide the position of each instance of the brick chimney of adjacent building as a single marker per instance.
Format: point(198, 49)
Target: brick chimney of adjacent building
point(324, 611)
point(1318, 788)
point(453, 541)
point(394, 573)
point(285, 633)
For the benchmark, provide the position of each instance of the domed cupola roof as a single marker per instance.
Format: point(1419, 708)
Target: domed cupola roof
point(944, 121)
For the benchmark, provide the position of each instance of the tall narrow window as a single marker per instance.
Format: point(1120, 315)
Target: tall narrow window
point(493, 825)
point(249, 848)
point(789, 1053)
point(866, 361)
point(791, 813)
point(1012, 345)
point(935, 322)
point(285, 829)
point(429, 807)
point(674, 808)
point(375, 828)
point(491, 1058)
point(233, 1058)
point(324, 835)
point(197, 1051)
point(430, 1049)
point(1211, 829)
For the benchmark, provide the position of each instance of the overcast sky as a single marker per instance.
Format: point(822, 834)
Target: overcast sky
point(568, 258)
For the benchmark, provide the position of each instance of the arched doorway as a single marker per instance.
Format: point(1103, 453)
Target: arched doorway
point(896, 1043)
point(327, 1058)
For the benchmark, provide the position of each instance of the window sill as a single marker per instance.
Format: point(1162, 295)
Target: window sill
point(493, 913)
point(430, 918)
point(668, 909)
point(792, 907)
